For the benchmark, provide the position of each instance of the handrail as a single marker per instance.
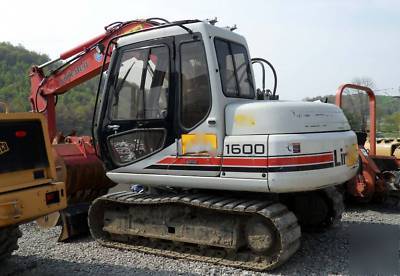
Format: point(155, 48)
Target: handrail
point(372, 110)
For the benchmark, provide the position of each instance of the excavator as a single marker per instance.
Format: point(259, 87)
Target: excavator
point(229, 173)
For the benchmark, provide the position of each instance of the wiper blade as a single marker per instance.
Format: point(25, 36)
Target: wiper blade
point(119, 87)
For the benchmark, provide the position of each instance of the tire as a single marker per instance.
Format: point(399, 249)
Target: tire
point(8, 241)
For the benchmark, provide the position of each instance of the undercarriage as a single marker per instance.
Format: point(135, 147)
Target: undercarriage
point(240, 231)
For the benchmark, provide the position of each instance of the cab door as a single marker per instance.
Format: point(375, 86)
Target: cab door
point(137, 118)
point(198, 135)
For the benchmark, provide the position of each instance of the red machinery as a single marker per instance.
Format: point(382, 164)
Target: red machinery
point(77, 164)
point(379, 176)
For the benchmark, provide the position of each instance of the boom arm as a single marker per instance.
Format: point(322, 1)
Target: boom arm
point(81, 64)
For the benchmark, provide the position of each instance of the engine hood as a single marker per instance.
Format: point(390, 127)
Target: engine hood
point(283, 117)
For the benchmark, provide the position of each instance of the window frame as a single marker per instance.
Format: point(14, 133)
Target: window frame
point(230, 42)
point(115, 72)
point(179, 41)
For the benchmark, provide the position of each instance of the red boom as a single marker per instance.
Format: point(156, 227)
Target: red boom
point(85, 63)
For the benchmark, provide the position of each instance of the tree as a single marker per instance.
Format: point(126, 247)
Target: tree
point(74, 109)
point(362, 99)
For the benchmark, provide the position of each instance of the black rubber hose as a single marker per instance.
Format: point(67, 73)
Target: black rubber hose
point(253, 60)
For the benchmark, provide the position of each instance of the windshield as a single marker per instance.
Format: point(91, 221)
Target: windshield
point(140, 90)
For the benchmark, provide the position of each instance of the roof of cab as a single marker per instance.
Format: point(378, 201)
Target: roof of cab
point(202, 27)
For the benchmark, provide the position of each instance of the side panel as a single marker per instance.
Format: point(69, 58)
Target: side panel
point(311, 161)
point(195, 182)
point(29, 204)
point(286, 163)
point(245, 157)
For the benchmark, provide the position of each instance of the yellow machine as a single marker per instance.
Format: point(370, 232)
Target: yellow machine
point(28, 189)
point(387, 147)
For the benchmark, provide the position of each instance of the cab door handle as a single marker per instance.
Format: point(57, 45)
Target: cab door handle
point(212, 122)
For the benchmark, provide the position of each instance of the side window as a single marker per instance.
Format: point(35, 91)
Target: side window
point(195, 86)
point(233, 62)
point(140, 91)
point(243, 72)
point(227, 69)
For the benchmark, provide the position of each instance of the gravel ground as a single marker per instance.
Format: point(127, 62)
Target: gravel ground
point(320, 253)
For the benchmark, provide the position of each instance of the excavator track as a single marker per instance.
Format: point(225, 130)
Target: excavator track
point(239, 232)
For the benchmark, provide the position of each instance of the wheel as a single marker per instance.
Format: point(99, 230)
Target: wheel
point(8, 241)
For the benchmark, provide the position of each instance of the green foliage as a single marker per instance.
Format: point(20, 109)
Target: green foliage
point(74, 109)
point(15, 62)
point(356, 109)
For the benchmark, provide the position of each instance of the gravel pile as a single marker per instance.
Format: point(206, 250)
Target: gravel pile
point(320, 253)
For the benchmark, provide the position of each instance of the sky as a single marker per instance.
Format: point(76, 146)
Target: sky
point(314, 45)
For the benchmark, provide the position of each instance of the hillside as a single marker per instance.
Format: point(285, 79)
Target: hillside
point(74, 109)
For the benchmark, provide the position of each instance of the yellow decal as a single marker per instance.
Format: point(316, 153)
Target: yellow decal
point(352, 156)
point(244, 120)
point(3, 147)
point(134, 29)
point(199, 143)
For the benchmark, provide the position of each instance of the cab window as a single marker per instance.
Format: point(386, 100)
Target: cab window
point(140, 91)
point(234, 67)
point(195, 86)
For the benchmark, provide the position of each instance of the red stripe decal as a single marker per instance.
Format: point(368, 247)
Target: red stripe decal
point(300, 160)
point(211, 161)
point(248, 161)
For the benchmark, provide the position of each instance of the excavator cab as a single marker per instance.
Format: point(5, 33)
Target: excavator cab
point(160, 89)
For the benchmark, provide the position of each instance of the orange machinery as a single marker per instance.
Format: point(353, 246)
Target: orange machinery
point(379, 176)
